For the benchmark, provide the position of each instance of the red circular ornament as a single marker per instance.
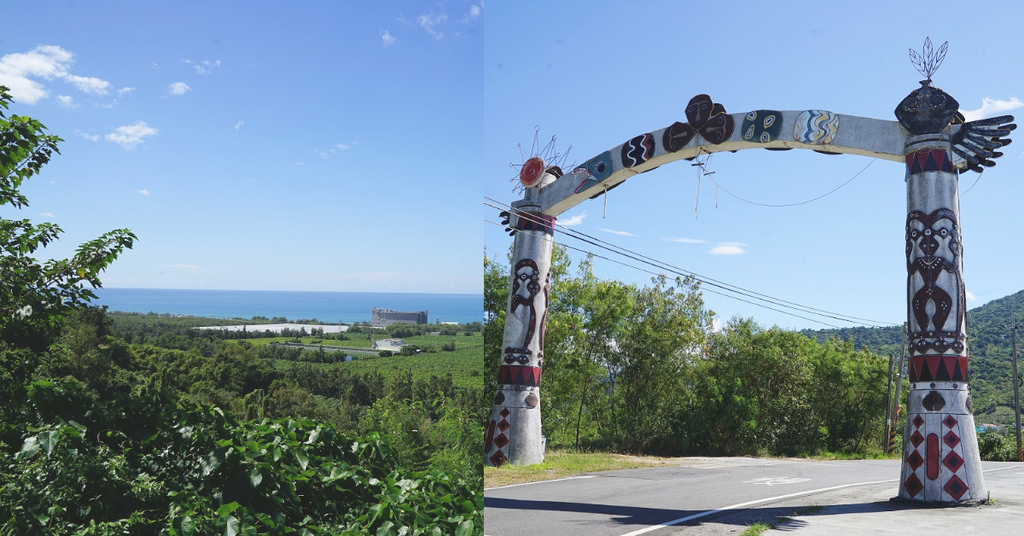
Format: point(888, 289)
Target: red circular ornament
point(532, 171)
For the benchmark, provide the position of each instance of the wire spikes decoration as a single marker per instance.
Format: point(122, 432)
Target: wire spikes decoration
point(549, 154)
point(929, 60)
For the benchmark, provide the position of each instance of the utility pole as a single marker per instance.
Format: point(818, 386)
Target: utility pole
point(1016, 393)
point(899, 387)
point(888, 407)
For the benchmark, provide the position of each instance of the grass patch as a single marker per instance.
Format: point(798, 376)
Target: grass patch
point(564, 463)
point(756, 529)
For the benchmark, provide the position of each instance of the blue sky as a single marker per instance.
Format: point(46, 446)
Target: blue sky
point(259, 145)
point(596, 76)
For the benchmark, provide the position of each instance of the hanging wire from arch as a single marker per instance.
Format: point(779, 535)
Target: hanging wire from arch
point(786, 205)
point(975, 183)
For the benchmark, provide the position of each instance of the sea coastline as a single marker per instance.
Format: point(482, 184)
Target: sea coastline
point(325, 307)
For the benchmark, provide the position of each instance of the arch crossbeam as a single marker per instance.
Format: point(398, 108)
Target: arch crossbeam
point(708, 130)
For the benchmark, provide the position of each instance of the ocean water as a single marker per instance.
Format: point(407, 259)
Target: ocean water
point(293, 305)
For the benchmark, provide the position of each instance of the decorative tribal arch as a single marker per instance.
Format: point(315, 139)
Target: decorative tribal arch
point(709, 129)
point(941, 461)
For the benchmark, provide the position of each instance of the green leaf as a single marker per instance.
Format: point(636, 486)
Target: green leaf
point(231, 528)
point(387, 529)
point(465, 528)
point(302, 459)
point(255, 477)
point(30, 448)
point(48, 440)
point(188, 527)
point(227, 509)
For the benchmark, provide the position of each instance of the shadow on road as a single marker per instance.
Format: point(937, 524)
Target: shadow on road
point(787, 518)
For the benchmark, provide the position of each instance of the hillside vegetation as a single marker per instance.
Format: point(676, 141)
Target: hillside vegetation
point(989, 344)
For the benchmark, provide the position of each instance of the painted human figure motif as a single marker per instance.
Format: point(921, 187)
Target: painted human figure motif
point(523, 310)
point(937, 302)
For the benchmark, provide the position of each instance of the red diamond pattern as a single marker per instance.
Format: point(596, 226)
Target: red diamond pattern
point(951, 439)
point(501, 441)
point(916, 438)
point(498, 459)
point(953, 461)
point(914, 460)
point(503, 425)
point(913, 485)
point(918, 421)
point(949, 421)
point(955, 487)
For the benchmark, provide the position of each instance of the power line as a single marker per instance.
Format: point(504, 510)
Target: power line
point(723, 289)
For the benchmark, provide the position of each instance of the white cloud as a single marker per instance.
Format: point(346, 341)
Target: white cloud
point(88, 84)
point(144, 192)
point(681, 240)
point(474, 12)
point(48, 215)
point(22, 71)
point(203, 67)
point(66, 100)
point(342, 147)
point(128, 136)
point(387, 38)
point(429, 23)
point(728, 248)
point(90, 137)
point(617, 233)
point(990, 107)
point(239, 125)
point(178, 88)
point(970, 296)
point(574, 220)
point(125, 91)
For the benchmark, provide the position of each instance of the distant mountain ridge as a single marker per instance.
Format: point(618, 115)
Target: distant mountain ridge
point(989, 342)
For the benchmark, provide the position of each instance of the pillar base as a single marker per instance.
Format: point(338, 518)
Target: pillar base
point(941, 460)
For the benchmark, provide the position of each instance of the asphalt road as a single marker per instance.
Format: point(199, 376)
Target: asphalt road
point(726, 495)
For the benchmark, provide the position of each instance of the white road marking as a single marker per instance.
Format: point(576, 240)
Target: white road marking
point(770, 499)
point(751, 503)
point(768, 481)
point(580, 477)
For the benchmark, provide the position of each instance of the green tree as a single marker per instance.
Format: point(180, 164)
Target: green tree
point(35, 295)
point(663, 340)
point(756, 387)
point(585, 318)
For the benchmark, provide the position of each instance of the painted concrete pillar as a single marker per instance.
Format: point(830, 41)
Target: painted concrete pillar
point(941, 461)
point(513, 433)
